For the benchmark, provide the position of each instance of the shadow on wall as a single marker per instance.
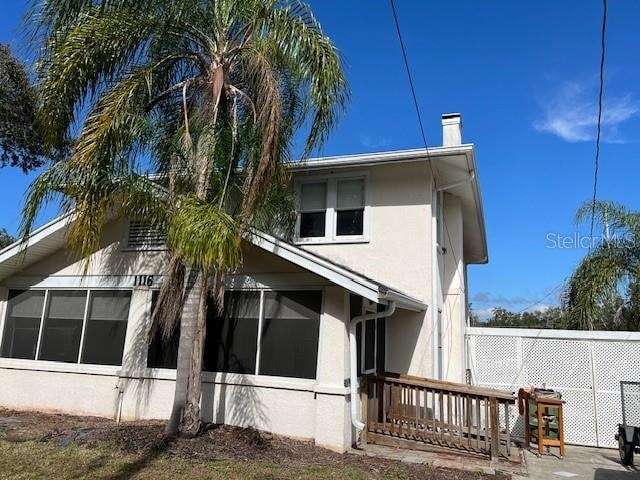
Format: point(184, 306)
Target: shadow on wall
point(240, 405)
point(133, 383)
point(403, 332)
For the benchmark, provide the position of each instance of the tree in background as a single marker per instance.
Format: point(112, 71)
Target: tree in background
point(604, 290)
point(5, 238)
point(20, 141)
point(553, 317)
point(212, 91)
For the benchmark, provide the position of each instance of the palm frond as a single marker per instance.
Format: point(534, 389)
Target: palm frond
point(597, 277)
point(205, 236)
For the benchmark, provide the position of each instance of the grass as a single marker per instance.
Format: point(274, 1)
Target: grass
point(39, 445)
point(31, 460)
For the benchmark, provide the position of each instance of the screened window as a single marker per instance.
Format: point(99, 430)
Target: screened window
point(62, 326)
point(232, 340)
point(289, 341)
point(106, 327)
point(163, 352)
point(313, 210)
point(371, 343)
point(288, 345)
point(350, 207)
point(56, 333)
point(24, 312)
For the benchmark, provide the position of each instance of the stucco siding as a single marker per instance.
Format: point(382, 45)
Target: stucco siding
point(397, 251)
point(454, 292)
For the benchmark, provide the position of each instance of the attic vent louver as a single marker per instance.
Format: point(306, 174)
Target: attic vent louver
point(145, 235)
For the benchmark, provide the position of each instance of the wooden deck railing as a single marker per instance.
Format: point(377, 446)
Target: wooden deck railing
point(454, 415)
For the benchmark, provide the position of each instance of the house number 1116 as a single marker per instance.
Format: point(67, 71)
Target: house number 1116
point(143, 281)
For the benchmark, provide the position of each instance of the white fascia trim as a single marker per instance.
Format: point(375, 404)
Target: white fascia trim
point(554, 334)
point(475, 184)
point(36, 236)
point(368, 159)
point(335, 274)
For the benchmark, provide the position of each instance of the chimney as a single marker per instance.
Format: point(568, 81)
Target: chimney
point(451, 129)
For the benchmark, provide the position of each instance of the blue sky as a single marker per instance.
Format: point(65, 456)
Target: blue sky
point(524, 77)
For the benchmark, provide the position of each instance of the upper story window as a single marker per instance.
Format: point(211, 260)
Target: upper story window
point(313, 210)
point(332, 209)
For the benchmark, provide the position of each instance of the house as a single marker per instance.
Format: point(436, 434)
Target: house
point(374, 281)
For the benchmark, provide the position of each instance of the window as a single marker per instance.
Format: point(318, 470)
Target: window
point(350, 207)
point(313, 210)
point(62, 327)
point(231, 342)
point(106, 328)
point(289, 340)
point(163, 352)
point(93, 322)
point(24, 312)
point(370, 338)
point(333, 209)
point(288, 344)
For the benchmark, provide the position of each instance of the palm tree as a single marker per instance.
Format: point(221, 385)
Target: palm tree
point(604, 290)
point(208, 94)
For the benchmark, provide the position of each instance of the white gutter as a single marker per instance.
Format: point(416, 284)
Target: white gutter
point(369, 159)
point(353, 363)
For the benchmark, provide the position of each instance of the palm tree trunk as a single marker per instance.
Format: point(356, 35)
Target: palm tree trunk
point(185, 414)
point(191, 422)
point(188, 323)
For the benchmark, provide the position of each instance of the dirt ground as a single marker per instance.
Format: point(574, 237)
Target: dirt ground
point(45, 445)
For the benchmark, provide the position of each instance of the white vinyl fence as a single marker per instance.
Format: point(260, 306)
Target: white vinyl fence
point(587, 367)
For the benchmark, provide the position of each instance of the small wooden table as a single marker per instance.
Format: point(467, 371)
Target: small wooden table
point(544, 405)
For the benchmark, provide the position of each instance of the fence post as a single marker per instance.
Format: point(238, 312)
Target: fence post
point(495, 428)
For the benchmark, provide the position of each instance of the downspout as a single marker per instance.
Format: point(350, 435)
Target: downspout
point(435, 281)
point(353, 363)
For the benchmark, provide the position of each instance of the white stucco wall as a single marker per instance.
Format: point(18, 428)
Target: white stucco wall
point(454, 293)
point(301, 408)
point(398, 253)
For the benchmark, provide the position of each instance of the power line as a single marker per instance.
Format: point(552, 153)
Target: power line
point(406, 64)
point(429, 162)
point(417, 107)
point(599, 124)
point(557, 287)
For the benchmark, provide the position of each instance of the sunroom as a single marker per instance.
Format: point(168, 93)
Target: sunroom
point(278, 358)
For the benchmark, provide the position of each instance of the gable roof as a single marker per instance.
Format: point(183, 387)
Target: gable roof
point(51, 237)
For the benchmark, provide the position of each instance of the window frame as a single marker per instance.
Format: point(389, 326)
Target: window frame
point(368, 308)
point(170, 372)
point(332, 208)
point(62, 366)
point(300, 212)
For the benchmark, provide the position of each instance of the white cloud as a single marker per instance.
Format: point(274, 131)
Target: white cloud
point(571, 113)
point(370, 142)
point(483, 314)
point(540, 307)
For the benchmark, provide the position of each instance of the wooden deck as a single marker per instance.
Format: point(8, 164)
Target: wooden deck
point(414, 412)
